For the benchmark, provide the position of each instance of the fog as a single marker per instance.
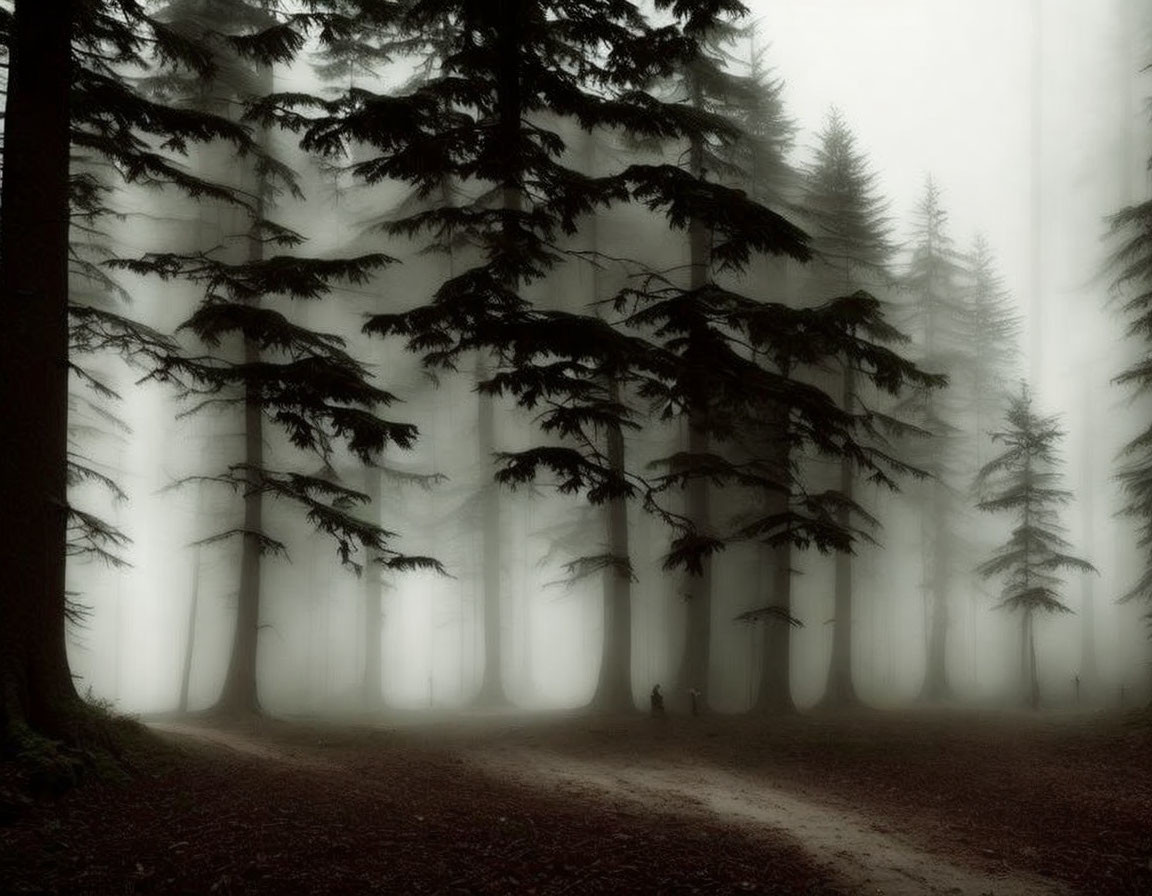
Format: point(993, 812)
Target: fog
point(1032, 151)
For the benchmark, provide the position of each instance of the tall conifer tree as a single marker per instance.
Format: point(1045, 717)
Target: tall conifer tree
point(65, 85)
point(281, 372)
point(852, 242)
point(1024, 480)
point(938, 324)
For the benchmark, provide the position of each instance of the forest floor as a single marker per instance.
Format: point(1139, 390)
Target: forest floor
point(956, 802)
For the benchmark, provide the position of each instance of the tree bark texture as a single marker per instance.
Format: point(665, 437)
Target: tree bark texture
point(36, 686)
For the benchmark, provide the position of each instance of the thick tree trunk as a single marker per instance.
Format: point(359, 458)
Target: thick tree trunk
point(506, 16)
point(840, 691)
point(240, 694)
point(36, 686)
point(614, 686)
point(372, 689)
point(492, 692)
point(775, 694)
point(190, 637)
point(695, 665)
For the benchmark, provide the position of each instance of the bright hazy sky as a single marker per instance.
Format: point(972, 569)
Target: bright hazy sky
point(944, 86)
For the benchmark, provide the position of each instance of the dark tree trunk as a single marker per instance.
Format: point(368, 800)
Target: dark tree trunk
point(240, 694)
point(775, 694)
point(614, 687)
point(614, 684)
point(36, 687)
point(695, 665)
point(698, 638)
point(840, 691)
point(506, 17)
point(492, 692)
point(190, 638)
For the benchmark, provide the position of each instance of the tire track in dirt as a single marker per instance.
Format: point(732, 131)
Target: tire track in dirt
point(864, 859)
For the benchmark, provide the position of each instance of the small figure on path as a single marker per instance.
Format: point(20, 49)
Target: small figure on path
point(1076, 686)
point(657, 701)
point(694, 696)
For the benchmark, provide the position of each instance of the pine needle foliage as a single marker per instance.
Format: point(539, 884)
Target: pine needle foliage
point(737, 358)
point(994, 327)
point(485, 117)
point(1024, 481)
point(1130, 229)
point(843, 209)
point(301, 380)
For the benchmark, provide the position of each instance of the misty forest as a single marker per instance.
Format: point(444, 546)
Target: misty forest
point(576, 446)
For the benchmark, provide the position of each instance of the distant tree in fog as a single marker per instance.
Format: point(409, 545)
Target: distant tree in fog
point(994, 326)
point(720, 390)
point(938, 322)
point(767, 131)
point(763, 167)
point(1023, 480)
point(739, 366)
point(851, 237)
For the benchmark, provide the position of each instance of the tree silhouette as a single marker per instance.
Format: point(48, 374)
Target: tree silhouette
point(1024, 480)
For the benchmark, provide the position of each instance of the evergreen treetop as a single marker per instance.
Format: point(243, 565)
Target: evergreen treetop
point(840, 202)
point(1024, 481)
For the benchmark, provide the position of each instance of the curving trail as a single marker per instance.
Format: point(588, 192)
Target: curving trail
point(861, 854)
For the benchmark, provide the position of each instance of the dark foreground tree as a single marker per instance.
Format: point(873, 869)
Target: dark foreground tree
point(36, 688)
point(65, 65)
point(1024, 481)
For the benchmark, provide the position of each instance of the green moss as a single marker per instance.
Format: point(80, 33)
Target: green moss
point(89, 741)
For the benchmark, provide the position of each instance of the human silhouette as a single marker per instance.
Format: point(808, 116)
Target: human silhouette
point(657, 701)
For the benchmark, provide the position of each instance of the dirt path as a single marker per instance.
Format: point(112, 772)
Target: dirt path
point(861, 854)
